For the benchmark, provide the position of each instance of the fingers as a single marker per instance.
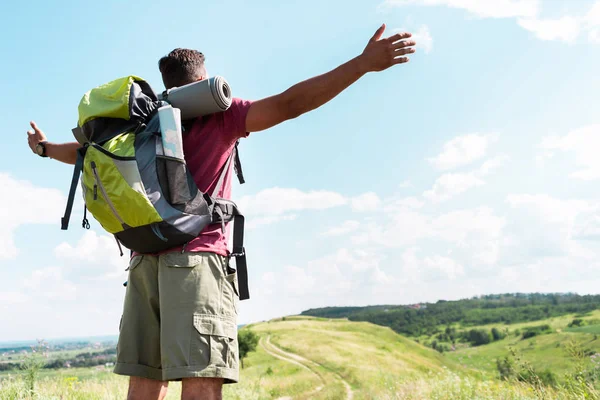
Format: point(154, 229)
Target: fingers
point(398, 36)
point(403, 43)
point(31, 140)
point(402, 51)
point(34, 126)
point(400, 60)
point(378, 34)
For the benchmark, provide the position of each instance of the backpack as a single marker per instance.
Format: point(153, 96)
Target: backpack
point(134, 185)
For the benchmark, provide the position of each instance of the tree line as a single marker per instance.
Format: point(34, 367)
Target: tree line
point(426, 318)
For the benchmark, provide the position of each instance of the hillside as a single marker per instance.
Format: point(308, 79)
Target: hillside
point(363, 354)
point(314, 358)
point(430, 318)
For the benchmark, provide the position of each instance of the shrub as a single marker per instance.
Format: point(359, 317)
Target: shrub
point(497, 334)
point(576, 322)
point(247, 342)
point(478, 337)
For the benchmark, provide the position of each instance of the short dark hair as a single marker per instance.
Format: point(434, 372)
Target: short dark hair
point(181, 66)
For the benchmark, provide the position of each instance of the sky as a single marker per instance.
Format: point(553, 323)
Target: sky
point(471, 170)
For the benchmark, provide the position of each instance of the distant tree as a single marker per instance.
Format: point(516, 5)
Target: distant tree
point(247, 342)
point(497, 334)
point(576, 322)
point(478, 337)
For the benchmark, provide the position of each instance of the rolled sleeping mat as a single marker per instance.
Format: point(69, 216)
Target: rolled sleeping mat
point(197, 99)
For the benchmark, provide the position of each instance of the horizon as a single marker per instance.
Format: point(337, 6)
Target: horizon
point(60, 340)
point(471, 169)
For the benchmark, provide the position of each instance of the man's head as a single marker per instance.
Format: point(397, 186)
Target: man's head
point(182, 66)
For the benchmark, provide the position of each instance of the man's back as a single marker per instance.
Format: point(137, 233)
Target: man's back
point(207, 146)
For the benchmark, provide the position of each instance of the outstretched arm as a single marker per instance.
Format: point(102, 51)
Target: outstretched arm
point(378, 55)
point(64, 152)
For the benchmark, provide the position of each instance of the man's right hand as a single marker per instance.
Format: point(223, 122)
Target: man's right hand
point(64, 152)
point(35, 136)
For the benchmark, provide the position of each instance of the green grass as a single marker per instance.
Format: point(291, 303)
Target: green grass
point(375, 361)
point(594, 329)
point(543, 352)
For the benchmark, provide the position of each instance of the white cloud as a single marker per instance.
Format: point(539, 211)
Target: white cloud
point(476, 231)
point(447, 267)
point(551, 209)
point(463, 150)
point(365, 202)
point(592, 23)
point(492, 164)
point(588, 228)
point(452, 184)
point(583, 143)
point(297, 281)
point(565, 29)
point(555, 228)
point(50, 284)
point(12, 297)
point(402, 203)
point(275, 204)
point(483, 9)
point(347, 227)
point(422, 36)
point(254, 223)
point(25, 204)
point(593, 15)
point(277, 201)
point(527, 13)
point(99, 253)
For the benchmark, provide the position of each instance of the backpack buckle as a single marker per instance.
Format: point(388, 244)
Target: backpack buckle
point(238, 252)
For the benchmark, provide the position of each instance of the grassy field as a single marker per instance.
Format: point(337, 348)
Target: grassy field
point(548, 351)
point(556, 323)
point(593, 329)
point(309, 358)
point(543, 352)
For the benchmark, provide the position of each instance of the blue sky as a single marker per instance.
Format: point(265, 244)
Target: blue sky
point(473, 169)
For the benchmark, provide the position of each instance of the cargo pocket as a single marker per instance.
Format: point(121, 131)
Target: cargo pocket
point(215, 342)
point(231, 295)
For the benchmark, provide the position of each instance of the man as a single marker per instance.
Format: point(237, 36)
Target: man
point(180, 306)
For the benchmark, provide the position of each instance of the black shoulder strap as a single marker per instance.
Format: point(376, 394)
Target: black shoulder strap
point(239, 252)
point(238, 165)
point(233, 156)
point(76, 172)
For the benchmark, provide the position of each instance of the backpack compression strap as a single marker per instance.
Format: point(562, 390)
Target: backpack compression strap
point(229, 212)
point(64, 222)
point(226, 211)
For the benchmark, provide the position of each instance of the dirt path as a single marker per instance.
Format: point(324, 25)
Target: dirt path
point(310, 365)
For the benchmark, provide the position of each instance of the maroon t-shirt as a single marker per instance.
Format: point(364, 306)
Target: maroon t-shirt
point(206, 147)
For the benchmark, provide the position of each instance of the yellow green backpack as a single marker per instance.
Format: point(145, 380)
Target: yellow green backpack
point(133, 186)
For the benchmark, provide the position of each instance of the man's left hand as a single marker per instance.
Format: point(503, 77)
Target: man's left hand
point(380, 54)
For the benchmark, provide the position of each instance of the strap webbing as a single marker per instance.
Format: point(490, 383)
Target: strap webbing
point(227, 211)
point(239, 252)
point(238, 165)
point(223, 173)
point(76, 172)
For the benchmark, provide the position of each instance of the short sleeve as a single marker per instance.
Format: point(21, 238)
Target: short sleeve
point(235, 117)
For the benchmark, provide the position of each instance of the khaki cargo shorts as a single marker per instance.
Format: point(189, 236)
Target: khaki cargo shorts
point(179, 318)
